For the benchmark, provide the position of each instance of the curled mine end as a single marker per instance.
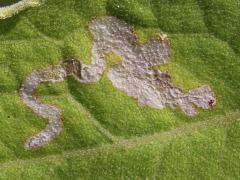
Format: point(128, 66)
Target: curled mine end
point(33, 142)
point(53, 129)
point(11, 10)
point(44, 137)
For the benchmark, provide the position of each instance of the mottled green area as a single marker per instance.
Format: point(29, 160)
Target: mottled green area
point(212, 153)
point(205, 45)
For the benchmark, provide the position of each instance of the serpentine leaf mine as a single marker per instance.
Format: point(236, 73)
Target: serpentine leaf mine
point(134, 75)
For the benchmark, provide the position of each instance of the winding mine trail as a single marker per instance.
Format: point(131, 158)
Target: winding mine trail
point(134, 75)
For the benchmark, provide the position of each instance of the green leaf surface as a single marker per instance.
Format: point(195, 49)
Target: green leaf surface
point(106, 134)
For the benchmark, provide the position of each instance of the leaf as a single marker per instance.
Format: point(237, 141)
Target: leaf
point(205, 49)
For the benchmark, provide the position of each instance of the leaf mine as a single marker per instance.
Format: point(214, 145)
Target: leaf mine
point(134, 75)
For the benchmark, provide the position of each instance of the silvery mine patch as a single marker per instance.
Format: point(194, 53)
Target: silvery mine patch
point(134, 75)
